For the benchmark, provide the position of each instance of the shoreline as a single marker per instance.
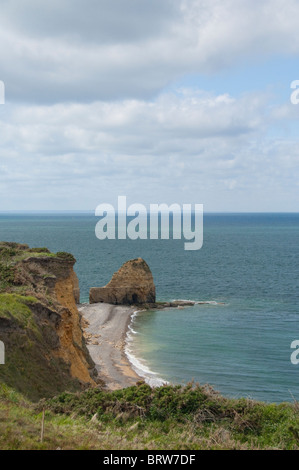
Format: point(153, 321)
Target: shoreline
point(105, 328)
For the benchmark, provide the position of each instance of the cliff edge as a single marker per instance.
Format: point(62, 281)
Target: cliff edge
point(45, 351)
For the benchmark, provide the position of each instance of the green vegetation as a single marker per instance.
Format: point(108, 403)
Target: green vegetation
point(139, 417)
point(28, 324)
point(6, 276)
point(17, 308)
point(32, 254)
point(13, 253)
point(39, 250)
point(198, 409)
point(20, 426)
point(169, 417)
point(65, 255)
point(30, 367)
point(10, 255)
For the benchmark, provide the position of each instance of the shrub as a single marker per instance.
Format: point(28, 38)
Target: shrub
point(6, 275)
point(39, 250)
point(65, 255)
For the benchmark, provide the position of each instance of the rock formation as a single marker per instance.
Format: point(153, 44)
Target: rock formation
point(40, 323)
point(132, 284)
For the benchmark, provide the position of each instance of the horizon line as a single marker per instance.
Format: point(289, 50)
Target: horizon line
point(92, 211)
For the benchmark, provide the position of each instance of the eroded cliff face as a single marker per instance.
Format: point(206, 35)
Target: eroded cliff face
point(40, 323)
point(72, 346)
point(133, 283)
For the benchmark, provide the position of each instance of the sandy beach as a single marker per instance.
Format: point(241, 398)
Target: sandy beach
point(105, 328)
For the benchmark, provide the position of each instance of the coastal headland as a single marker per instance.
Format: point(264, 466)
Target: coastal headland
point(66, 382)
point(54, 342)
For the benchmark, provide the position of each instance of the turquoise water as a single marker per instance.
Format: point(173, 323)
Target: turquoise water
point(248, 266)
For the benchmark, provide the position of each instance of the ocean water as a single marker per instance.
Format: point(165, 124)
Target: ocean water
point(247, 271)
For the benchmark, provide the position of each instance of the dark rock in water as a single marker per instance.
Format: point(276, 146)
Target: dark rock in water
point(173, 304)
point(182, 303)
point(132, 284)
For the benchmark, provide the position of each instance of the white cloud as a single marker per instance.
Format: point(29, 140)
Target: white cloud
point(133, 127)
point(190, 146)
point(67, 51)
point(87, 116)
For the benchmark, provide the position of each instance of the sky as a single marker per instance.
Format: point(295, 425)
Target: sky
point(163, 101)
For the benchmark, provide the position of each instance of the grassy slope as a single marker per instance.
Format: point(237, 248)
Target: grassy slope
point(30, 366)
point(16, 307)
point(170, 418)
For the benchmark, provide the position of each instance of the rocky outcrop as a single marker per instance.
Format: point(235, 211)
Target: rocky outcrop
point(40, 324)
point(132, 284)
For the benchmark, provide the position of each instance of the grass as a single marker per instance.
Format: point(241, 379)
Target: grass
point(6, 276)
point(139, 417)
point(11, 254)
point(11, 271)
point(17, 307)
point(66, 256)
point(41, 253)
point(30, 365)
point(20, 426)
point(32, 254)
point(190, 417)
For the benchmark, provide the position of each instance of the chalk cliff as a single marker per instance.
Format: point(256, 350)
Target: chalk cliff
point(132, 284)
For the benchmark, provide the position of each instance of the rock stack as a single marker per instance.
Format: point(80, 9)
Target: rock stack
point(132, 284)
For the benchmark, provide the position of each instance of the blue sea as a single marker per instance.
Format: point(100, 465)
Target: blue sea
point(247, 271)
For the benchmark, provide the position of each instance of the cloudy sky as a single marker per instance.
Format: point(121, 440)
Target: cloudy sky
point(164, 101)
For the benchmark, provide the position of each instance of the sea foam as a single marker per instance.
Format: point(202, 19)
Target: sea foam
point(138, 365)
